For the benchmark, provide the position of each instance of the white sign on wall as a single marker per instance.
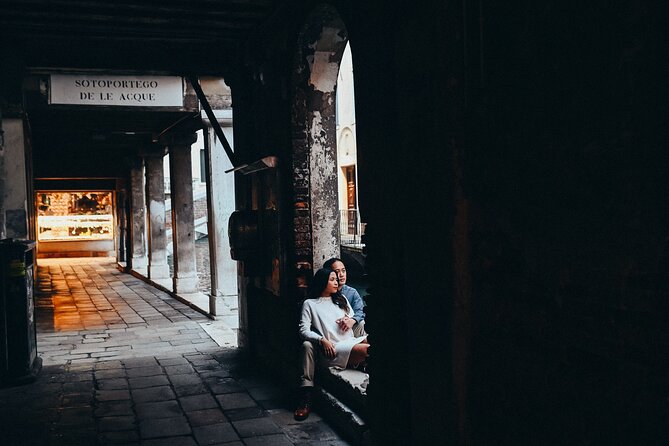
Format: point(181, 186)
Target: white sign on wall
point(128, 91)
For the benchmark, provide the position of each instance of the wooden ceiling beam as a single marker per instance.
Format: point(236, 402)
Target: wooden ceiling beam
point(133, 9)
point(32, 31)
point(16, 21)
point(133, 14)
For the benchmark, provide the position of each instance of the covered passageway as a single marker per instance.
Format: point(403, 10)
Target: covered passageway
point(508, 194)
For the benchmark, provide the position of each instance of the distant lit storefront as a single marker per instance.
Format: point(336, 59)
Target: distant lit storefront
point(75, 223)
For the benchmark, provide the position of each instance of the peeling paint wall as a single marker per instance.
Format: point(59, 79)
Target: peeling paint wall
point(324, 202)
point(323, 71)
point(314, 142)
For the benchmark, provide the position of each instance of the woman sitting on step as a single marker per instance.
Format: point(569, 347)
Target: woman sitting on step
point(320, 324)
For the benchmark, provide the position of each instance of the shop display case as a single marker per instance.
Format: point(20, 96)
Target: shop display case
point(74, 216)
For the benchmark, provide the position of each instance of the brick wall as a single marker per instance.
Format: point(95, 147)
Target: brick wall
point(200, 208)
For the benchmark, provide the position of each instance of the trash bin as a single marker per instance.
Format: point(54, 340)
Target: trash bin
point(19, 362)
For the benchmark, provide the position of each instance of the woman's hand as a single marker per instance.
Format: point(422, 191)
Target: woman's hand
point(345, 323)
point(328, 348)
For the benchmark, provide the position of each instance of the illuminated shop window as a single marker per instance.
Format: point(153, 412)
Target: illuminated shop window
point(66, 216)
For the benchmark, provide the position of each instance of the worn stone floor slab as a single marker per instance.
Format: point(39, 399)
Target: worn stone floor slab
point(110, 380)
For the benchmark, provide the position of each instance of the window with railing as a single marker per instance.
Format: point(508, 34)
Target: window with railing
point(350, 228)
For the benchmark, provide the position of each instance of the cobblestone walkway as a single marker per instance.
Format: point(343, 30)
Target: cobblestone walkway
point(88, 310)
point(126, 364)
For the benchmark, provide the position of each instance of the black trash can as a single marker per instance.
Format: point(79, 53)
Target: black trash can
point(19, 362)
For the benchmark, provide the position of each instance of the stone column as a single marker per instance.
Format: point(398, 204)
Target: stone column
point(159, 271)
point(183, 218)
point(14, 200)
point(121, 246)
point(221, 187)
point(138, 258)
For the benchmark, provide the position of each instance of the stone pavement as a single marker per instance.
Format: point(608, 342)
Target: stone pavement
point(88, 310)
point(126, 364)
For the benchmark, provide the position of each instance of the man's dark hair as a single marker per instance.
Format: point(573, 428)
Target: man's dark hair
point(328, 263)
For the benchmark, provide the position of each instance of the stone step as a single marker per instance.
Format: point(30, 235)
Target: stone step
point(347, 422)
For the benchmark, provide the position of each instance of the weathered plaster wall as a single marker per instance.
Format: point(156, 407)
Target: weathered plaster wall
point(318, 54)
point(15, 201)
point(323, 187)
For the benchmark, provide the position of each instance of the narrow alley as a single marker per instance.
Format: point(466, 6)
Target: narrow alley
point(124, 363)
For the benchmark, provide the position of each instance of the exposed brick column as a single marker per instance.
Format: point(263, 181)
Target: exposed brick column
point(159, 271)
point(183, 221)
point(138, 257)
point(302, 212)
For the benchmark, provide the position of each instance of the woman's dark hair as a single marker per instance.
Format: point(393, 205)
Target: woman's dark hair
point(319, 283)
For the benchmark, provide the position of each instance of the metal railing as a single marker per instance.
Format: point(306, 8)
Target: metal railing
point(350, 228)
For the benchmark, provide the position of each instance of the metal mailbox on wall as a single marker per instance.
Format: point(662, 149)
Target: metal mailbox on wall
point(19, 362)
point(251, 234)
